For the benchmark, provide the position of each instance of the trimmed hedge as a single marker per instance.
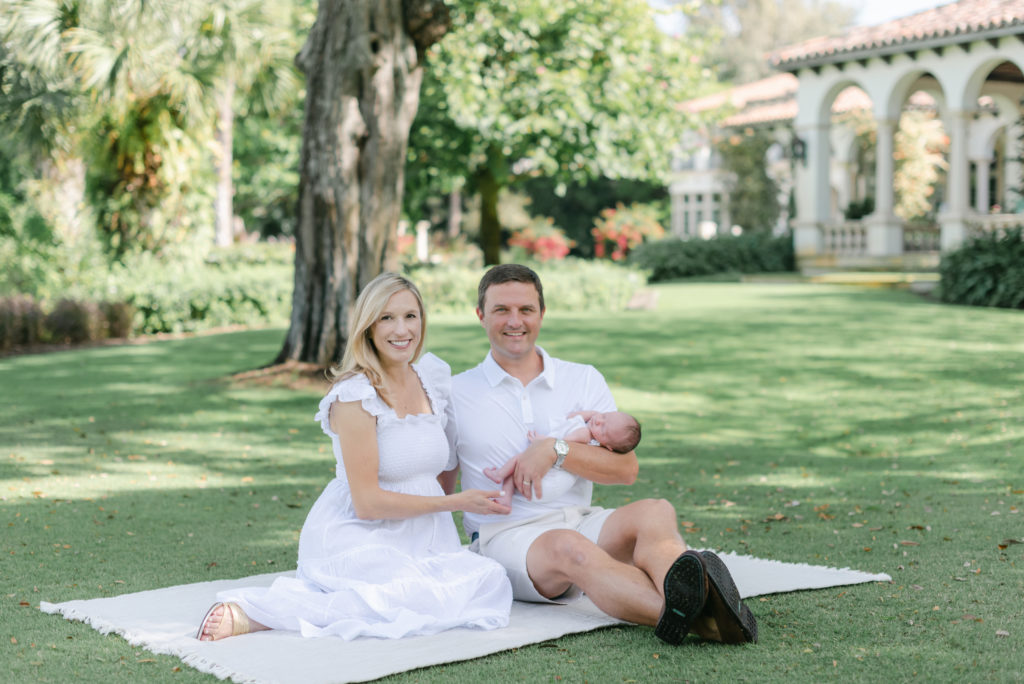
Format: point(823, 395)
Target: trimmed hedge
point(748, 253)
point(985, 271)
point(252, 285)
point(245, 285)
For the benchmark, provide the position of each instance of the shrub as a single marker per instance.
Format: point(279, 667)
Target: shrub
point(747, 253)
point(21, 321)
point(119, 318)
point(623, 228)
point(246, 285)
point(542, 240)
point(75, 322)
point(572, 285)
point(985, 271)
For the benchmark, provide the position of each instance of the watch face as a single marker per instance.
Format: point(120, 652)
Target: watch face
point(561, 448)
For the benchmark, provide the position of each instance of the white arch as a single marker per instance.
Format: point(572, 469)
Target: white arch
point(958, 76)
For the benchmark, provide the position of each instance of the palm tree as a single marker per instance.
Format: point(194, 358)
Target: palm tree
point(252, 51)
point(40, 108)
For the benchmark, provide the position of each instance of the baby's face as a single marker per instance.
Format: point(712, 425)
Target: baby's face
point(609, 428)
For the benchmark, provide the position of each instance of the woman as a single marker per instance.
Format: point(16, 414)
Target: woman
point(379, 554)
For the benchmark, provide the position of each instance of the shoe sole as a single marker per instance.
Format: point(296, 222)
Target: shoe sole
point(684, 597)
point(736, 624)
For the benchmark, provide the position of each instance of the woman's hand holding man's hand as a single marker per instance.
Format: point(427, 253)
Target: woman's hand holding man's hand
point(481, 502)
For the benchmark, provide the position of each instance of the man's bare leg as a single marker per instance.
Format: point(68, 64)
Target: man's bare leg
point(638, 543)
point(559, 558)
point(645, 534)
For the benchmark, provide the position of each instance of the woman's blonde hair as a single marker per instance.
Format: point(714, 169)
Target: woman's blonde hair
point(360, 353)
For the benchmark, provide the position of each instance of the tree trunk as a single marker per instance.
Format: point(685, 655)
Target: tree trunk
point(454, 214)
point(224, 204)
point(363, 66)
point(490, 227)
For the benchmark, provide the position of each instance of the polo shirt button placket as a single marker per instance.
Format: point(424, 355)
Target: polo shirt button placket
point(527, 408)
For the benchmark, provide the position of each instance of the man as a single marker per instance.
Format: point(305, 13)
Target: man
point(631, 561)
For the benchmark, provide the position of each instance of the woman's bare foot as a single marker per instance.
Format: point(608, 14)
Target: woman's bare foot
point(224, 620)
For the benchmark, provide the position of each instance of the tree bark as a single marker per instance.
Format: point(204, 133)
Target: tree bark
point(363, 64)
point(224, 203)
point(490, 226)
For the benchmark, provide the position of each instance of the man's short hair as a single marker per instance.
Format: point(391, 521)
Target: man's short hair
point(508, 273)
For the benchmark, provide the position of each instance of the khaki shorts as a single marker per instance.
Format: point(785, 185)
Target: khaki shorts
point(508, 542)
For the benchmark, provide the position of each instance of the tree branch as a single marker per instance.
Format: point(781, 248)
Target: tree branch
point(426, 21)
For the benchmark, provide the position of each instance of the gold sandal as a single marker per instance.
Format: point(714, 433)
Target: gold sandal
point(239, 621)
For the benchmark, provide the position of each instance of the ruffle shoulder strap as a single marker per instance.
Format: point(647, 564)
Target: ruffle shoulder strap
point(437, 380)
point(354, 388)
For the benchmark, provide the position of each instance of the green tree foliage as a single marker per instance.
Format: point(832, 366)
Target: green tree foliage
point(920, 146)
point(753, 195)
point(131, 91)
point(252, 46)
point(575, 209)
point(747, 30)
point(920, 152)
point(566, 89)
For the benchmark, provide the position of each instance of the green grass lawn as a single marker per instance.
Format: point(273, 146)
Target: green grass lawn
point(859, 428)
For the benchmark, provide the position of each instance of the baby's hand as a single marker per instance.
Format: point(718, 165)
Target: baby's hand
point(505, 498)
point(503, 476)
point(532, 435)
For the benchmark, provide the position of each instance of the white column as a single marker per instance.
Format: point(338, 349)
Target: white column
point(953, 221)
point(884, 229)
point(1012, 176)
point(844, 186)
point(813, 193)
point(692, 213)
point(981, 198)
point(708, 213)
point(678, 207)
point(423, 241)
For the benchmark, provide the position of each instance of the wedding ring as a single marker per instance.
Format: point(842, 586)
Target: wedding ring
point(527, 482)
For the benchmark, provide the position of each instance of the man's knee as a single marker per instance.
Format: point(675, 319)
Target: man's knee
point(659, 507)
point(562, 548)
point(646, 512)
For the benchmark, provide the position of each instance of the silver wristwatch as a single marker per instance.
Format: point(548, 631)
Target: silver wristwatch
point(561, 451)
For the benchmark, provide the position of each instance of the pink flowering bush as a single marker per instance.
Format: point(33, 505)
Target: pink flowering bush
point(542, 240)
point(619, 230)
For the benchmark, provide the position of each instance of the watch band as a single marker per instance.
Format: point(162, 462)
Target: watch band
point(561, 451)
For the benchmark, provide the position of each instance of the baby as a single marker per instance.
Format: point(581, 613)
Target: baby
point(615, 431)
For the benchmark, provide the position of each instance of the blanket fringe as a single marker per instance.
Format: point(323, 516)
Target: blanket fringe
point(104, 627)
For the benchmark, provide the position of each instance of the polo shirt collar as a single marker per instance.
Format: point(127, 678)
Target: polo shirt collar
point(495, 374)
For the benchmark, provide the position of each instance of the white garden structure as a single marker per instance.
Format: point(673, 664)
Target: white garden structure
point(966, 59)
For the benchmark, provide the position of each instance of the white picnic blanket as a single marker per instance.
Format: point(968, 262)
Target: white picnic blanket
point(165, 621)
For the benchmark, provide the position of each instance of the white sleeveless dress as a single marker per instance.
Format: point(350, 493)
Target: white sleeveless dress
point(385, 578)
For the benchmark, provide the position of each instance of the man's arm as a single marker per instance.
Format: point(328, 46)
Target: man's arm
point(594, 463)
point(447, 480)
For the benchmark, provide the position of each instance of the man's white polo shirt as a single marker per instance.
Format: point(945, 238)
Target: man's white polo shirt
point(493, 412)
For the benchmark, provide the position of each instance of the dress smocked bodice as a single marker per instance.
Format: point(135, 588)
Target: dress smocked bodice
point(413, 451)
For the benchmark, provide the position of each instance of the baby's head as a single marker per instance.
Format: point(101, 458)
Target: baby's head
point(615, 430)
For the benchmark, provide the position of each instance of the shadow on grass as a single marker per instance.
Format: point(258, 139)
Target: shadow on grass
point(827, 425)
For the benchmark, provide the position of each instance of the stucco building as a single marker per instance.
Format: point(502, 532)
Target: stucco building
point(963, 61)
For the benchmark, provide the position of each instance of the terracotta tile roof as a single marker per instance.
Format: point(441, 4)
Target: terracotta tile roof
point(950, 24)
point(773, 100)
point(772, 88)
